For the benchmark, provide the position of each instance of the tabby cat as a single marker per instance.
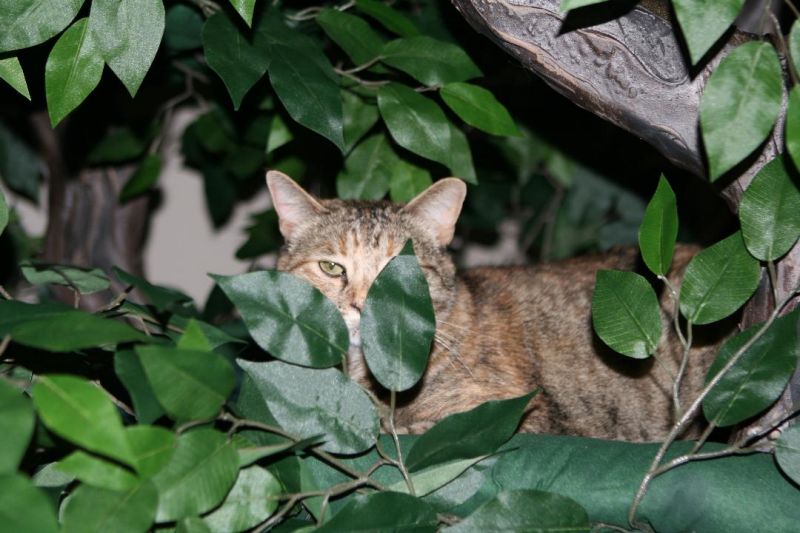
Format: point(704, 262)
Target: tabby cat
point(500, 332)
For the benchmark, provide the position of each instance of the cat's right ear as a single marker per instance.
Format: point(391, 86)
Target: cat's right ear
point(438, 208)
point(293, 204)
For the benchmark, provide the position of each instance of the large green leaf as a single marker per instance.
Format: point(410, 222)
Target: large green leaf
point(739, 105)
point(703, 22)
point(145, 177)
point(460, 160)
point(189, 384)
point(130, 372)
point(82, 280)
point(73, 70)
point(16, 426)
point(238, 60)
point(19, 165)
point(67, 329)
point(718, 281)
point(23, 507)
point(307, 403)
point(524, 511)
point(430, 61)
point(151, 446)
point(757, 380)
point(163, 298)
point(120, 145)
point(11, 72)
point(245, 9)
point(353, 35)
point(407, 181)
point(793, 124)
point(97, 472)
point(252, 499)
point(3, 212)
point(80, 412)
point(368, 170)
point(91, 509)
point(201, 472)
point(383, 511)
point(625, 313)
point(27, 23)
point(397, 323)
point(794, 45)
point(416, 122)
point(432, 478)
point(183, 29)
point(478, 107)
point(787, 452)
point(128, 34)
point(475, 433)
point(769, 212)
point(289, 318)
point(390, 18)
point(659, 229)
point(359, 117)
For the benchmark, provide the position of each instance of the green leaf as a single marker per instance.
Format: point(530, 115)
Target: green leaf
point(659, 229)
point(201, 472)
point(460, 161)
point(567, 5)
point(279, 134)
point(145, 177)
point(23, 507)
point(192, 524)
point(288, 317)
point(80, 412)
point(757, 380)
point(625, 313)
point(11, 72)
point(353, 35)
point(407, 181)
point(239, 61)
point(432, 478)
point(794, 45)
point(67, 329)
point(189, 384)
point(787, 452)
point(475, 433)
point(359, 118)
point(92, 509)
point(130, 372)
point(252, 499)
point(300, 400)
point(128, 34)
point(397, 323)
point(769, 212)
point(306, 86)
point(3, 212)
point(119, 146)
point(16, 426)
point(524, 511)
point(19, 165)
point(184, 29)
point(163, 299)
point(718, 281)
point(368, 170)
point(479, 108)
point(250, 454)
point(245, 9)
point(793, 125)
point(383, 511)
point(27, 23)
point(430, 61)
point(79, 279)
point(152, 448)
point(740, 103)
point(97, 472)
point(416, 122)
point(73, 70)
point(389, 18)
point(703, 23)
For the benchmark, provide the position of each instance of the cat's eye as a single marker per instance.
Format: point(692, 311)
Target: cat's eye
point(332, 269)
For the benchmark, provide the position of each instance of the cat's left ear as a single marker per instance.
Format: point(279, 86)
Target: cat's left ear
point(438, 207)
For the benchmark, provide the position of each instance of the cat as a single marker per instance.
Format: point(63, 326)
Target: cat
point(500, 332)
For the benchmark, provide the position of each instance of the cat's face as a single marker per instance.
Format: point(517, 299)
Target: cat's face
point(341, 246)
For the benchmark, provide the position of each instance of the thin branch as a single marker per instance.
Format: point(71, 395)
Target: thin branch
point(4, 293)
point(792, 7)
point(400, 464)
point(786, 52)
point(4, 344)
point(676, 384)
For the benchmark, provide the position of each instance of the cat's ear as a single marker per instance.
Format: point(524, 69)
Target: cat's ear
point(438, 207)
point(292, 203)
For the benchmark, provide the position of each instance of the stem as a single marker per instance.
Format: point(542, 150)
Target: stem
point(4, 344)
point(703, 437)
point(4, 293)
point(364, 66)
point(687, 416)
point(676, 385)
point(400, 464)
point(787, 52)
point(791, 6)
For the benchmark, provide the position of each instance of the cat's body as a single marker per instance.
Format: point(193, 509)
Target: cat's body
point(501, 332)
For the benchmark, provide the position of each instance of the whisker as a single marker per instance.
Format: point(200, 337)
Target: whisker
point(452, 352)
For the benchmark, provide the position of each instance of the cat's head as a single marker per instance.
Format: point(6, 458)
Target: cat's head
point(340, 246)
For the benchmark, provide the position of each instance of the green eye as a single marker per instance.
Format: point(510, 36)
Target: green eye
point(332, 269)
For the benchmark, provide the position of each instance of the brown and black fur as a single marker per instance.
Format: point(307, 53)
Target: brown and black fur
point(501, 332)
